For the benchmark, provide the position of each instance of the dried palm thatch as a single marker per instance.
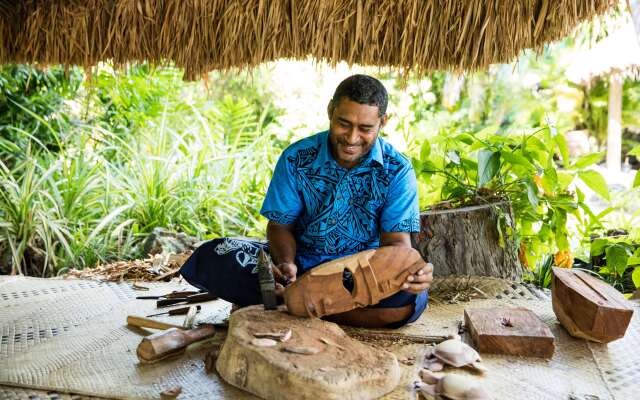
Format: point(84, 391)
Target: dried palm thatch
point(201, 35)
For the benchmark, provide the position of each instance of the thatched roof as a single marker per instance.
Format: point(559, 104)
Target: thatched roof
point(201, 35)
point(618, 53)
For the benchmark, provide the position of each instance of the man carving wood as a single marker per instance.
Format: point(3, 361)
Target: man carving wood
point(333, 194)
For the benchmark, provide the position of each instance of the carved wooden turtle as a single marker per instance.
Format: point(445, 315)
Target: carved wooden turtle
point(455, 353)
point(453, 387)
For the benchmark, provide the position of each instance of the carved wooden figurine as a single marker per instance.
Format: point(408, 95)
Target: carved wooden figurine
point(588, 307)
point(376, 274)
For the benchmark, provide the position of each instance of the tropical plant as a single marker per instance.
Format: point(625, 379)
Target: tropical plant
point(492, 165)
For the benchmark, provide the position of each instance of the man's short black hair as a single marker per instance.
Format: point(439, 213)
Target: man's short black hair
point(363, 89)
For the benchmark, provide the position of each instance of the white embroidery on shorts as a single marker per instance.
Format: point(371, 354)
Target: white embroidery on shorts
point(246, 252)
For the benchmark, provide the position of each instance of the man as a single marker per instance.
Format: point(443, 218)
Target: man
point(332, 194)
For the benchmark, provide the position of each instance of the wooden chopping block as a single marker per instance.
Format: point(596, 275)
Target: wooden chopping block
point(308, 359)
point(587, 307)
point(517, 331)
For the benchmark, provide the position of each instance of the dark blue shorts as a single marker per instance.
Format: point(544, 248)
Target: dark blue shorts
point(227, 268)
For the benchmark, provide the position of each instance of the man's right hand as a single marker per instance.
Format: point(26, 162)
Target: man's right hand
point(284, 274)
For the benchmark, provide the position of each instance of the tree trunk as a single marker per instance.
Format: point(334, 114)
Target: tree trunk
point(465, 241)
point(614, 124)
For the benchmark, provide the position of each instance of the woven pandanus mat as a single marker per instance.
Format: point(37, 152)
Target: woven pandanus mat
point(70, 337)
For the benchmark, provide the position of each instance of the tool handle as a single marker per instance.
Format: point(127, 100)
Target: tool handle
point(148, 323)
point(172, 341)
point(196, 298)
point(183, 310)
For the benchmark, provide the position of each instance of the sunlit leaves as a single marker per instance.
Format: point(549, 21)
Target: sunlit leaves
point(596, 182)
point(488, 166)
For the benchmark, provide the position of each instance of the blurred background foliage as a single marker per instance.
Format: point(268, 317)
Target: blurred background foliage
point(92, 161)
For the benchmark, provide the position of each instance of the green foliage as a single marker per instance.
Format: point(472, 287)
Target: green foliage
point(617, 260)
point(32, 107)
point(491, 165)
point(144, 157)
point(542, 273)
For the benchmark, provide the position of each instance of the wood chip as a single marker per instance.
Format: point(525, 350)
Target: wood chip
point(331, 343)
point(171, 393)
point(304, 350)
point(137, 286)
point(263, 342)
point(280, 336)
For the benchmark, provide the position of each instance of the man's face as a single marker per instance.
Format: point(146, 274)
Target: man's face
point(353, 130)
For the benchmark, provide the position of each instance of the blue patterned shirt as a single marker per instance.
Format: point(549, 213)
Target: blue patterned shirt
point(339, 211)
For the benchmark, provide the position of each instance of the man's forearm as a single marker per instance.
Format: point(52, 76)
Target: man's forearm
point(401, 239)
point(282, 243)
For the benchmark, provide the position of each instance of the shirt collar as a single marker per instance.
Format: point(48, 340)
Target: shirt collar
point(374, 157)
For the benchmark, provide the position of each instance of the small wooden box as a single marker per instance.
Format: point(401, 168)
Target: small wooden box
point(588, 307)
point(517, 331)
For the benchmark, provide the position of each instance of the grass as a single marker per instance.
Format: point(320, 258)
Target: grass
point(200, 172)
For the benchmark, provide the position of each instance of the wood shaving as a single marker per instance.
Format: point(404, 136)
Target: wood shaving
point(263, 342)
point(304, 350)
point(331, 343)
point(171, 393)
point(152, 269)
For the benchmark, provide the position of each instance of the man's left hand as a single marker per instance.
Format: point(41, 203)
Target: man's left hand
point(419, 281)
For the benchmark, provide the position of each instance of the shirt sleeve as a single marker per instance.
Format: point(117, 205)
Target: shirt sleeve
point(400, 212)
point(282, 203)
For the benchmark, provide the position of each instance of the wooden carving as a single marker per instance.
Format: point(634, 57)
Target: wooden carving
point(377, 274)
point(503, 330)
point(587, 307)
point(275, 355)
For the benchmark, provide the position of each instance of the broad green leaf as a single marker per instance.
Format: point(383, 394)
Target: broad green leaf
point(429, 167)
point(617, 257)
point(516, 158)
point(488, 166)
point(532, 193)
point(587, 160)
point(598, 246)
point(425, 150)
point(636, 181)
point(533, 143)
point(489, 130)
point(596, 182)
point(635, 151)
point(563, 148)
point(465, 138)
point(549, 180)
point(564, 180)
point(633, 260)
point(635, 277)
point(454, 156)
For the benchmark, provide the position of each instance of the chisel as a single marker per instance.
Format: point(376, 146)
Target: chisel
point(175, 311)
point(196, 298)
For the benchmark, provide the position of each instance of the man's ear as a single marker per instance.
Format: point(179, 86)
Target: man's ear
point(330, 108)
point(383, 121)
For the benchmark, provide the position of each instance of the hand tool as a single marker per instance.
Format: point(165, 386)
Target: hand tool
point(267, 281)
point(194, 298)
point(142, 322)
point(172, 295)
point(176, 311)
point(171, 342)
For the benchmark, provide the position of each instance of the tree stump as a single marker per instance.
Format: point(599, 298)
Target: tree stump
point(317, 360)
point(465, 241)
